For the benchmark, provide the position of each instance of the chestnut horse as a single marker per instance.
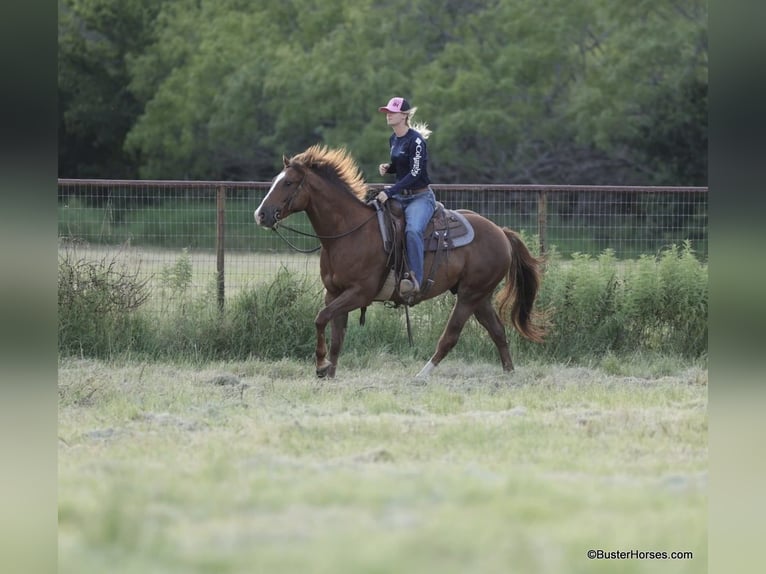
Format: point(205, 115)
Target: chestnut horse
point(327, 184)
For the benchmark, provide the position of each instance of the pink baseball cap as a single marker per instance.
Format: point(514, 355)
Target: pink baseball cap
point(395, 105)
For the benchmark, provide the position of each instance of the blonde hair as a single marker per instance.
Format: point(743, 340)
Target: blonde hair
point(420, 127)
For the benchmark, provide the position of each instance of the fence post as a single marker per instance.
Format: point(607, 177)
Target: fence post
point(542, 219)
point(221, 210)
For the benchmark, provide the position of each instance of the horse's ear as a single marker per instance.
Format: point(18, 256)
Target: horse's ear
point(285, 160)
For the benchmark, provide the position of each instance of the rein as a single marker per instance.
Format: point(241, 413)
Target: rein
point(315, 236)
point(294, 247)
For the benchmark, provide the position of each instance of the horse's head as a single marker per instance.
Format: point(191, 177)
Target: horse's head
point(287, 194)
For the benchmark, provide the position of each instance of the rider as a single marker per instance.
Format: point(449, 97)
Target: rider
point(409, 161)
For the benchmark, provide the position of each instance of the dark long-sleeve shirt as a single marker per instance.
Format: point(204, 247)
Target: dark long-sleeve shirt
point(409, 161)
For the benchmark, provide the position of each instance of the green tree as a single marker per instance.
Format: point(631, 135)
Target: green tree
point(641, 92)
point(96, 109)
point(516, 90)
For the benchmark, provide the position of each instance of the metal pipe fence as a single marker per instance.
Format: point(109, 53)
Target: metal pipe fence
point(207, 229)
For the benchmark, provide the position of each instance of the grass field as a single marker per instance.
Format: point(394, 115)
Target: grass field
point(259, 467)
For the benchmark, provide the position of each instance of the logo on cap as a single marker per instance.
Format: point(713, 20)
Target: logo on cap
point(395, 105)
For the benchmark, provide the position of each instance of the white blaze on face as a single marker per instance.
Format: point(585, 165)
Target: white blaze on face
point(273, 185)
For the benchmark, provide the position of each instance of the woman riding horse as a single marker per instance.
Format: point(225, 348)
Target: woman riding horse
point(328, 186)
point(409, 161)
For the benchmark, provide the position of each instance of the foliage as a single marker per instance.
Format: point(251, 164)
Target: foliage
point(581, 298)
point(96, 109)
point(655, 304)
point(275, 321)
point(177, 278)
point(98, 304)
point(517, 91)
point(599, 307)
point(664, 103)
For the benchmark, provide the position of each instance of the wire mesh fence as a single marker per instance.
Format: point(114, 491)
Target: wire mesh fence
point(206, 229)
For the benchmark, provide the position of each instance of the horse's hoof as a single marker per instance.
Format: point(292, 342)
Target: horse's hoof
point(326, 370)
point(425, 372)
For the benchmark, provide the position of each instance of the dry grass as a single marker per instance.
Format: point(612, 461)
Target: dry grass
point(259, 467)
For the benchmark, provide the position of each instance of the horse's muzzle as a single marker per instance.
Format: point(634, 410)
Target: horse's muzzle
point(266, 216)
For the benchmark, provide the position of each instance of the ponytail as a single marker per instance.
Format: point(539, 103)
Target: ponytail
point(420, 127)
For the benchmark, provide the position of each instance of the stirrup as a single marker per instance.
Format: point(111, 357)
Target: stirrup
point(409, 285)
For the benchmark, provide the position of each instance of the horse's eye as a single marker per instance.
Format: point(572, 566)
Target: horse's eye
point(288, 183)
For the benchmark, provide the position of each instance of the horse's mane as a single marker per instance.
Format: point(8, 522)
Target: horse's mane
point(335, 162)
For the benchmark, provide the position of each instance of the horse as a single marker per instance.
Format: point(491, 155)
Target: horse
point(328, 186)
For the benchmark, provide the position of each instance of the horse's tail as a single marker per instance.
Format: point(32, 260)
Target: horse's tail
point(517, 297)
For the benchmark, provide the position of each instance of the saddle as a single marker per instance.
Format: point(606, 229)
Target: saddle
point(447, 230)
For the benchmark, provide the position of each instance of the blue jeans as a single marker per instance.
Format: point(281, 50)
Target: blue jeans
point(418, 210)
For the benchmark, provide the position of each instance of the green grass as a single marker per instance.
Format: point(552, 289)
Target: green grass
point(257, 466)
point(598, 307)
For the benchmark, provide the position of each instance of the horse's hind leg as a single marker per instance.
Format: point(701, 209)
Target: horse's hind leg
point(323, 365)
point(489, 319)
point(461, 312)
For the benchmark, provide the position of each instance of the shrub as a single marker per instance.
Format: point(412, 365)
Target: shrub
point(275, 320)
point(97, 305)
point(684, 297)
point(655, 304)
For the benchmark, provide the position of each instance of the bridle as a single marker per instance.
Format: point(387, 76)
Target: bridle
point(287, 206)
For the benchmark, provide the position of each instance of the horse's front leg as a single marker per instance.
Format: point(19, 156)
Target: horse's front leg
point(339, 324)
point(325, 367)
point(336, 310)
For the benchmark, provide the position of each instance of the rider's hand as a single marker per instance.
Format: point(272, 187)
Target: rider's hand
point(382, 197)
